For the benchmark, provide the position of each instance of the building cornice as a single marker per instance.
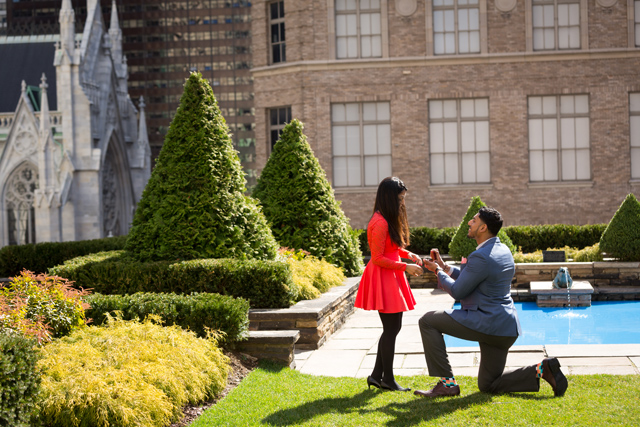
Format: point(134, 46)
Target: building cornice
point(439, 61)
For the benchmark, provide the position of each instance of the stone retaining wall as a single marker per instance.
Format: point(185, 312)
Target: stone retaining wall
point(316, 319)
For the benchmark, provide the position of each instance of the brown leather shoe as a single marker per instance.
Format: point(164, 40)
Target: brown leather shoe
point(552, 374)
point(439, 390)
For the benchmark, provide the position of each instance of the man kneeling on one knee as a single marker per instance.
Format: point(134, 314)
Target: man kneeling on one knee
point(488, 316)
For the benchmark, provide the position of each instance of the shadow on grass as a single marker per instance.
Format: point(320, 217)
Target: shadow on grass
point(408, 413)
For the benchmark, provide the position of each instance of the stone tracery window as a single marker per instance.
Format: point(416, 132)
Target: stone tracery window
point(18, 202)
point(110, 201)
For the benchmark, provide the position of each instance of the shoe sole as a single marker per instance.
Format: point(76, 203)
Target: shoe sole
point(558, 376)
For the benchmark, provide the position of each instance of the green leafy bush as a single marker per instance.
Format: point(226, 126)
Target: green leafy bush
point(423, 239)
point(194, 206)
point(530, 238)
point(265, 284)
point(461, 246)
point(300, 206)
point(40, 257)
point(32, 301)
point(313, 276)
point(19, 379)
point(588, 254)
point(621, 238)
point(127, 374)
point(198, 312)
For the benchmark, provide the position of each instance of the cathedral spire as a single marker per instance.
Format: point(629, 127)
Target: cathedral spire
point(67, 27)
point(115, 33)
point(44, 105)
point(142, 127)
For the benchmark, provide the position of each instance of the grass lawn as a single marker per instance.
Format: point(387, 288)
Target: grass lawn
point(276, 396)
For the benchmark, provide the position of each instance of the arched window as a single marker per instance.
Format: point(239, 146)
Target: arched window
point(18, 202)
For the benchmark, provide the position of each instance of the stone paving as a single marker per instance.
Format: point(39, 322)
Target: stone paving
point(351, 352)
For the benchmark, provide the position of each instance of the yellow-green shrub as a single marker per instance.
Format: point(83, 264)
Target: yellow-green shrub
point(313, 276)
point(127, 373)
point(588, 254)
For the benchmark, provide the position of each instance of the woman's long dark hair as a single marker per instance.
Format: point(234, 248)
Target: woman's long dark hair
point(388, 204)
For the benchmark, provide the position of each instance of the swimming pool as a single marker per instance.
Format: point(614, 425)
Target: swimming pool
point(605, 322)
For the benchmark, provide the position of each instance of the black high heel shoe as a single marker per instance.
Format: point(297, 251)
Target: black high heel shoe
point(372, 382)
point(395, 387)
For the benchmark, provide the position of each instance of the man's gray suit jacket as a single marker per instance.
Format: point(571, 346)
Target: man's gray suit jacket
point(483, 287)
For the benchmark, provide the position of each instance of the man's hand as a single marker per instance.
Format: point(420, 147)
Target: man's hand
point(414, 270)
point(430, 265)
point(435, 256)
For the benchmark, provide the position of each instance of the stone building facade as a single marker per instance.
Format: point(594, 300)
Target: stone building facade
point(77, 172)
point(533, 105)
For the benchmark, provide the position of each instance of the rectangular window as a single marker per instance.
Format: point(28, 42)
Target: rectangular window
point(276, 22)
point(634, 122)
point(361, 134)
point(556, 24)
point(559, 144)
point(456, 26)
point(358, 31)
point(459, 141)
point(278, 118)
point(636, 13)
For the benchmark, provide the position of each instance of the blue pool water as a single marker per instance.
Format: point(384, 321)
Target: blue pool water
point(605, 322)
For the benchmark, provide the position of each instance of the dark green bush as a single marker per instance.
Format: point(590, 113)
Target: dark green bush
point(299, 204)
point(531, 238)
point(423, 239)
point(621, 238)
point(461, 246)
point(265, 284)
point(19, 379)
point(40, 257)
point(194, 205)
point(196, 312)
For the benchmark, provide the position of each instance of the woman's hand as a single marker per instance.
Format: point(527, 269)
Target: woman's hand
point(414, 270)
point(415, 258)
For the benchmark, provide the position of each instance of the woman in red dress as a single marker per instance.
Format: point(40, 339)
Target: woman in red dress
point(384, 286)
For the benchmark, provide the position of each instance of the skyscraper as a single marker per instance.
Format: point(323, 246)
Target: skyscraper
point(164, 41)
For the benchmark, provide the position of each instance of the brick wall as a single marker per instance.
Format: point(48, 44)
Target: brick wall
point(506, 75)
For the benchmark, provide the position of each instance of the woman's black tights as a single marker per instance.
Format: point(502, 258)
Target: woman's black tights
point(383, 369)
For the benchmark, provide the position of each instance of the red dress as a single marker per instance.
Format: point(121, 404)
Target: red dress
point(384, 286)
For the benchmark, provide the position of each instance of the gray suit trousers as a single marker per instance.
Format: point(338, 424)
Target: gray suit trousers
point(493, 355)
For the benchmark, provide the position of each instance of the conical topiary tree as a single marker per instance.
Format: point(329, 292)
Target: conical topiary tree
point(621, 238)
point(461, 245)
point(194, 204)
point(299, 204)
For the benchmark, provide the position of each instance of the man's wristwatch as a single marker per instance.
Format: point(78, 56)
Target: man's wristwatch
point(438, 270)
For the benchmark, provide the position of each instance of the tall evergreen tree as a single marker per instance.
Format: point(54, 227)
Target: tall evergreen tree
point(461, 245)
point(621, 238)
point(300, 206)
point(194, 204)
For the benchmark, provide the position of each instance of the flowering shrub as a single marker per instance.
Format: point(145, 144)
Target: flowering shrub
point(41, 306)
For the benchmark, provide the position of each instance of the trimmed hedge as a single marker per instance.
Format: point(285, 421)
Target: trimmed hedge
point(265, 284)
point(528, 238)
point(531, 238)
point(197, 312)
point(621, 238)
point(300, 205)
point(19, 379)
point(40, 257)
point(194, 206)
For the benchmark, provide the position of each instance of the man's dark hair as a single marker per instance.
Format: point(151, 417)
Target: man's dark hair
point(492, 218)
